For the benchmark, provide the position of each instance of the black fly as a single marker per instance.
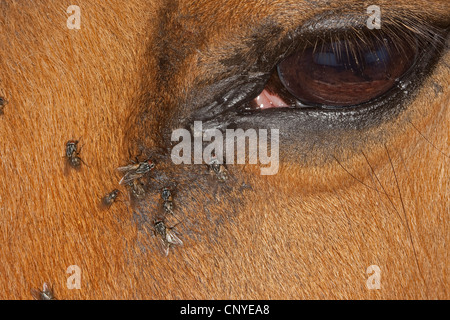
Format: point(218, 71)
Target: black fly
point(218, 169)
point(135, 171)
point(110, 198)
point(166, 237)
point(137, 189)
point(72, 155)
point(167, 198)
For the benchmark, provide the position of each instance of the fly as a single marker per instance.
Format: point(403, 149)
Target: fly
point(167, 198)
point(110, 198)
point(137, 189)
point(166, 237)
point(135, 171)
point(218, 169)
point(45, 294)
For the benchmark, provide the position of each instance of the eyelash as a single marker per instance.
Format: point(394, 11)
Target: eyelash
point(404, 37)
point(227, 101)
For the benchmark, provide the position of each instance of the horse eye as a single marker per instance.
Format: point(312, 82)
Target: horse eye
point(347, 72)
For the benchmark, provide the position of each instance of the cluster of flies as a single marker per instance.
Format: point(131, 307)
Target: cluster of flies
point(132, 175)
point(166, 237)
point(131, 178)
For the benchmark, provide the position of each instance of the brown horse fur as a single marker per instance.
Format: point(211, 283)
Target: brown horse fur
point(376, 195)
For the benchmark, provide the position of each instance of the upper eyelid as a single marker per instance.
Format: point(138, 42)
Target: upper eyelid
point(399, 25)
point(328, 23)
point(334, 23)
point(276, 43)
point(270, 43)
point(260, 49)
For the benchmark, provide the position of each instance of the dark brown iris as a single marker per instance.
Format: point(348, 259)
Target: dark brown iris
point(346, 72)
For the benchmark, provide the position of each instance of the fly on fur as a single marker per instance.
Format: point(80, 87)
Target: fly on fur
point(110, 198)
point(166, 195)
point(73, 155)
point(218, 169)
point(45, 294)
point(137, 189)
point(135, 171)
point(166, 237)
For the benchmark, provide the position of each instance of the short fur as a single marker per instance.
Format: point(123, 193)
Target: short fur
point(138, 69)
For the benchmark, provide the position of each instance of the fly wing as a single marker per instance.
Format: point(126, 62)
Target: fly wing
point(47, 292)
point(163, 246)
point(168, 207)
point(36, 294)
point(127, 168)
point(66, 166)
point(104, 203)
point(130, 176)
point(173, 239)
